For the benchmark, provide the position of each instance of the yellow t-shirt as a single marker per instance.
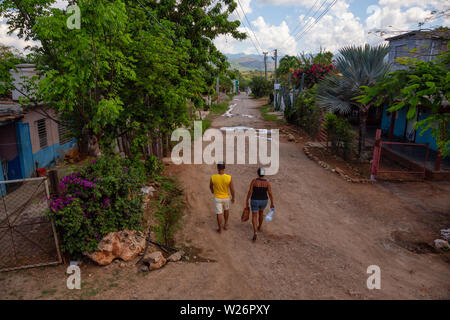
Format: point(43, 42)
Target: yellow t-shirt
point(221, 183)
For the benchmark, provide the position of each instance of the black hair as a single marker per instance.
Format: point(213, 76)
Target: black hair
point(221, 166)
point(261, 172)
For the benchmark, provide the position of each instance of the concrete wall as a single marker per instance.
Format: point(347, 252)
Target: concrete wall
point(48, 156)
point(400, 124)
point(23, 70)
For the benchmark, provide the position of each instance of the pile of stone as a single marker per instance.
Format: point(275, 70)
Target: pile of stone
point(326, 166)
point(444, 242)
point(155, 260)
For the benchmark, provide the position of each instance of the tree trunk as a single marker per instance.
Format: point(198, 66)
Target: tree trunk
point(362, 132)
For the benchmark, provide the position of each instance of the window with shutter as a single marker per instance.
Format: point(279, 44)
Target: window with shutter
point(42, 133)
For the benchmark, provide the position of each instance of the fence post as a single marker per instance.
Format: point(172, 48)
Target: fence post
point(54, 182)
point(376, 155)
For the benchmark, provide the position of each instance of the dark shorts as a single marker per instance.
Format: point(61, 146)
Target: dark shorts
point(258, 205)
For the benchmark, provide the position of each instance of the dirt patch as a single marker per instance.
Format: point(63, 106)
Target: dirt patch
point(356, 169)
point(412, 242)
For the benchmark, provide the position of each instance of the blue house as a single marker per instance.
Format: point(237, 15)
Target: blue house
point(427, 45)
point(29, 139)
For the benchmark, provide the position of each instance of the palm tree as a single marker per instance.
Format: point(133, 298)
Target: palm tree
point(356, 67)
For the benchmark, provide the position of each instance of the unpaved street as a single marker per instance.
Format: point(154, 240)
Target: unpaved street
point(325, 234)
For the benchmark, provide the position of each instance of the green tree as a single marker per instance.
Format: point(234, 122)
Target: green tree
point(260, 87)
point(122, 73)
point(420, 84)
point(356, 66)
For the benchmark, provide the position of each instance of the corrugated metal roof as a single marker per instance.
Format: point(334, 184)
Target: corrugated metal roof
point(10, 110)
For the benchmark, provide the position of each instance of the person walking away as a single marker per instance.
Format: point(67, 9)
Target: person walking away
point(258, 193)
point(221, 186)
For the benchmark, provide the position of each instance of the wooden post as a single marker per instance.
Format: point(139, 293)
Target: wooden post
point(376, 155)
point(54, 182)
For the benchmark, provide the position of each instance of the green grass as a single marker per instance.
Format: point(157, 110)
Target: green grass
point(265, 109)
point(219, 108)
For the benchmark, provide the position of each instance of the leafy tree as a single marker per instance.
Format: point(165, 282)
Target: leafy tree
point(287, 65)
point(260, 87)
point(122, 74)
point(357, 66)
point(420, 84)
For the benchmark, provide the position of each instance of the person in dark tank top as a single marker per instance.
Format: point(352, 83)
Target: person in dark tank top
point(259, 193)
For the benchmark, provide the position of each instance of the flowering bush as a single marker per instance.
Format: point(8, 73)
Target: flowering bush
point(104, 196)
point(313, 74)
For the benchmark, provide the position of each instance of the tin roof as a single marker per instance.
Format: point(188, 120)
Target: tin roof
point(433, 34)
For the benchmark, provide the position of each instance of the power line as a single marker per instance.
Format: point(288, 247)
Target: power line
point(310, 19)
point(318, 19)
point(306, 17)
point(305, 25)
point(257, 51)
point(250, 25)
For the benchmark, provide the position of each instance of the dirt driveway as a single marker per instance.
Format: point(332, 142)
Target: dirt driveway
point(325, 234)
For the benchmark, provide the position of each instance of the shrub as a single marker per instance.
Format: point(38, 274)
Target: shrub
point(260, 87)
point(104, 196)
point(305, 113)
point(168, 210)
point(339, 134)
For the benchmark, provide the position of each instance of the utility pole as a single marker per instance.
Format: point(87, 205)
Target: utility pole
point(218, 89)
point(265, 64)
point(275, 83)
point(276, 59)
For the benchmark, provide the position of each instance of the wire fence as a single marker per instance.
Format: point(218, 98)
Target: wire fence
point(27, 237)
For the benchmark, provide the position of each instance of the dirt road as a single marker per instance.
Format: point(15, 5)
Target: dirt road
point(325, 234)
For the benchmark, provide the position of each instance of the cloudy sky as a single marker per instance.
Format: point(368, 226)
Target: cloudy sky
point(294, 26)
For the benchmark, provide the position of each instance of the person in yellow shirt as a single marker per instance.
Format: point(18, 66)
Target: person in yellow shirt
point(221, 186)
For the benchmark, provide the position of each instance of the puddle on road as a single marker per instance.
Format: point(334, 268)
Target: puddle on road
point(258, 132)
point(228, 113)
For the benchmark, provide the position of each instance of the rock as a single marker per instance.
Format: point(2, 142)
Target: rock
point(176, 256)
point(445, 233)
point(339, 171)
point(291, 137)
point(441, 244)
point(148, 190)
point(155, 260)
point(125, 245)
point(122, 265)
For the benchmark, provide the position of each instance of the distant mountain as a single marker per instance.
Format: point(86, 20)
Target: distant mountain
point(249, 62)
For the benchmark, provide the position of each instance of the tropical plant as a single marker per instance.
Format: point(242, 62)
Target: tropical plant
point(260, 86)
point(420, 84)
point(305, 113)
point(339, 133)
point(287, 64)
point(356, 67)
point(104, 196)
point(312, 68)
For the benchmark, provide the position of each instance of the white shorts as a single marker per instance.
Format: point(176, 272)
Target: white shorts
point(221, 204)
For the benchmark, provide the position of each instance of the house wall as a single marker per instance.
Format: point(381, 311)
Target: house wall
point(426, 49)
point(23, 71)
point(48, 156)
point(400, 124)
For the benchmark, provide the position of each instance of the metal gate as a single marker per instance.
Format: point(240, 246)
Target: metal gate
point(27, 237)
